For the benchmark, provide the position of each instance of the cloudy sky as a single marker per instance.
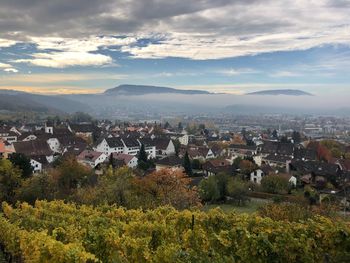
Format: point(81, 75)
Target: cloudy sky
point(238, 46)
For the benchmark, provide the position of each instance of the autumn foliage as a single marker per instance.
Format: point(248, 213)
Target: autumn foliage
point(168, 187)
point(59, 232)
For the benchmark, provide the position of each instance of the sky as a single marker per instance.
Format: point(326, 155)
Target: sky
point(240, 46)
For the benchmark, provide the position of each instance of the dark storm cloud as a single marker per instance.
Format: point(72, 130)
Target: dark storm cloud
point(67, 17)
point(195, 29)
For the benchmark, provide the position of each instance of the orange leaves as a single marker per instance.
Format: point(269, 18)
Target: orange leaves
point(168, 187)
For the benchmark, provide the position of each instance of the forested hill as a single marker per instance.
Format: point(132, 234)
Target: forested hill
point(144, 90)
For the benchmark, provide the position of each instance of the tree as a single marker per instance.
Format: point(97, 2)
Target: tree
point(167, 187)
point(284, 139)
point(10, 181)
point(214, 188)
point(70, 175)
point(323, 153)
point(209, 190)
point(296, 137)
point(247, 167)
point(39, 187)
point(115, 186)
point(111, 161)
point(142, 156)
point(187, 165)
point(275, 134)
point(222, 179)
point(177, 146)
point(180, 126)
point(236, 163)
point(196, 164)
point(237, 190)
point(275, 184)
point(80, 117)
point(143, 162)
point(167, 125)
point(22, 162)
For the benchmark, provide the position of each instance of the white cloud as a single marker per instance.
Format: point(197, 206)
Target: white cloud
point(7, 42)
point(8, 68)
point(203, 47)
point(70, 52)
point(282, 74)
point(12, 70)
point(239, 71)
point(4, 65)
point(56, 78)
point(89, 44)
point(66, 59)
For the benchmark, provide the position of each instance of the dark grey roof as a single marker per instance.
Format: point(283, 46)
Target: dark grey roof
point(33, 148)
point(301, 153)
point(170, 161)
point(83, 127)
point(130, 142)
point(315, 167)
point(114, 142)
point(41, 159)
point(243, 147)
point(277, 147)
point(277, 158)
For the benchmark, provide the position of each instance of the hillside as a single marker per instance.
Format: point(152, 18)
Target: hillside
point(144, 90)
point(16, 101)
point(286, 92)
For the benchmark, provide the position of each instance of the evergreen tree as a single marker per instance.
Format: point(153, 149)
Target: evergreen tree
point(187, 164)
point(111, 160)
point(142, 154)
point(167, 125)
point(143, 162)
point(296, 137)
point(275, 134)
point(22, 162)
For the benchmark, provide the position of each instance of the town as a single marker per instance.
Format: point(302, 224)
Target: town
point(313, 159)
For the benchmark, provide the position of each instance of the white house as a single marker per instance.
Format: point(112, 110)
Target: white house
point(257, 176)
point(184, 139)
point(37, 166)
point(110, 145)
point(130, 146)
point(291, 179)
point(48, 129)
point(91, 158)
point(54, 145)
point(38, 163)
point(8, 135)
point(129, 160)
point(165, 147)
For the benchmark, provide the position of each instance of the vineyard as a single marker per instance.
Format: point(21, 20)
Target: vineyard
point(59, 232)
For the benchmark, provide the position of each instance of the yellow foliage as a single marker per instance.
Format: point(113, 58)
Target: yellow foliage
point(59, 232)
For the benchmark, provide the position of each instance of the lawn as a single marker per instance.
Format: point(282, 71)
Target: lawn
point(249, 208)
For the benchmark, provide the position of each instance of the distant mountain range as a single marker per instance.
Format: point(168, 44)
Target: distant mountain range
point(128, 101)
point(285, 92)
point(132, 90)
